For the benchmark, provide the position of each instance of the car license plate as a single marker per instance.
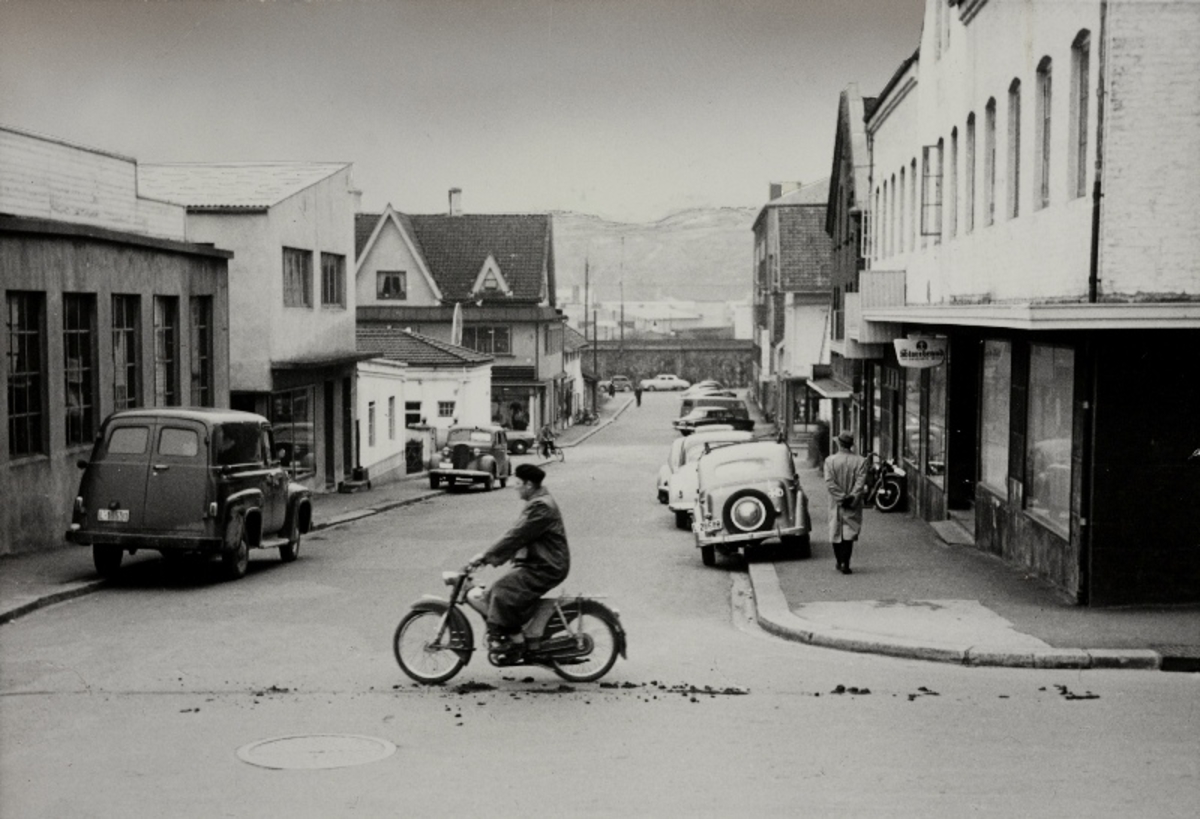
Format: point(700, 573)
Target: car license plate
point(113, 515)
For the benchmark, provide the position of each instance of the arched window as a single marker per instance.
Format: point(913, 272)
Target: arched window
point(989, 163)
point(1041, 190)
point(951, 201)
point(1077, 138)
point(969, 177)
point(1014, 149)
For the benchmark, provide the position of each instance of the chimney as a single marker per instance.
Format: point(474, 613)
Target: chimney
point(776, 191)
point(456, 201)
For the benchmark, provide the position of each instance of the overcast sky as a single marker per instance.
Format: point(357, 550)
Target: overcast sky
point(627, 109)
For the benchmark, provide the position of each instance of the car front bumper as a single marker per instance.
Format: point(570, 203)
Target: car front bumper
point(449, 474)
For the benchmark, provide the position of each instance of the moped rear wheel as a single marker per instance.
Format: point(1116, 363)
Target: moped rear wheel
point(595, 664)
point(419, 658)
point(888, 496)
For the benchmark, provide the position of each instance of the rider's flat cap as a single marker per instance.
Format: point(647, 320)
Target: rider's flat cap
point(531, 473)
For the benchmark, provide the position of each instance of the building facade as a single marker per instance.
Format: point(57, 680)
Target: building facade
point(496, 273)
point(292, 342)
point(792, 260)
point(107, 306)
point(1032, 257)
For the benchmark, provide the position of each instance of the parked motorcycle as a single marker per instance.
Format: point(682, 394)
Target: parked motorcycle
point(885, 483)
point(578, 638)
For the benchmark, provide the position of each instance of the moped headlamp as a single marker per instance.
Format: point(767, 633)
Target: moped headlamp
point(449, 578)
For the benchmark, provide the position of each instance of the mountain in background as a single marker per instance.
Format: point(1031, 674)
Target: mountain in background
point(702, 254)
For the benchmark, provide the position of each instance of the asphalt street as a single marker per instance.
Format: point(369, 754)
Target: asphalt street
point(134, 701)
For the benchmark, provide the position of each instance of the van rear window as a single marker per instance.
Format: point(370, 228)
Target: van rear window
point(128, 440)
point(180, 443)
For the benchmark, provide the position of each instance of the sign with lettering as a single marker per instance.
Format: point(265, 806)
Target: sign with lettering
point(919, 353)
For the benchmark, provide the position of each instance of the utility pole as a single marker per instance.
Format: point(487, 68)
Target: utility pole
point(622, 294)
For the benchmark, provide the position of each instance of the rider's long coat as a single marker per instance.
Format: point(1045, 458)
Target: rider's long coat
point(845, 475)
point(537, 546)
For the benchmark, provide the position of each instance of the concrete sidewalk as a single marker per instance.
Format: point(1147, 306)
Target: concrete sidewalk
point(927, 592)
point(30, 581)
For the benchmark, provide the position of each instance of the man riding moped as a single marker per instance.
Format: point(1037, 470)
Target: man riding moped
point(537, 547)
point(546, 438)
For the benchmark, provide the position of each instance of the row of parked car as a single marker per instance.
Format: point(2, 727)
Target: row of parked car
point(733, 491)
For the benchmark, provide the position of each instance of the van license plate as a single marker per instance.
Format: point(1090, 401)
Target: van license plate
point(113, 515)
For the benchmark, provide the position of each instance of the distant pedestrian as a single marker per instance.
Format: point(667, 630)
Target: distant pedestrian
point(637, 393)
point(846, 479)
point(612, 389)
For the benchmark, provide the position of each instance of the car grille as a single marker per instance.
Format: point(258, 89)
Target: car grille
point(460, 456)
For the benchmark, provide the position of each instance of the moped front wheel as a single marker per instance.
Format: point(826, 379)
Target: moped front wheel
point(888, 496)
point(588, 627)
point(419, 652)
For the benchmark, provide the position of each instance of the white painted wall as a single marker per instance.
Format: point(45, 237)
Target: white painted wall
point(470, 388)
point(391, 252)
point(806, 338)
point(262, 330)
point(378, 381)
point(46, 178)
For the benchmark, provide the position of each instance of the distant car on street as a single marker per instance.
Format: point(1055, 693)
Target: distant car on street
point(664, 381)
point(181, 480)
point(472, 454)
point(702, 417)
point(621, 383)
point(703, 388)
point(721, 398)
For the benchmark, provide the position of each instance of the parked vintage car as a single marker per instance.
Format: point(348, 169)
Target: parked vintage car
point(703, 388)
point(716, 399)
point(674, 459)
point(187, 480)
point(520, 441)
point(701, 417)
point(472, 454)
point(749, 493)
point(664, 381)
point(683, 483)
point(621, 383)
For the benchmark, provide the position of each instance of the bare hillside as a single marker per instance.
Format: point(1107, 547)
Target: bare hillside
point(704, 254)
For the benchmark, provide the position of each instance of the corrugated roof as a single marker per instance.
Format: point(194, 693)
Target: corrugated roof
point(231, 185)
point(415, 349)
point(455, 248)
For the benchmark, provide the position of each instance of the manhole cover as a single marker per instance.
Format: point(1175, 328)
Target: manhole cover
point(312, 751)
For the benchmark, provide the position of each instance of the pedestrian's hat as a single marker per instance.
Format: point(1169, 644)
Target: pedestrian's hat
point(531, 473)
point(845, 439)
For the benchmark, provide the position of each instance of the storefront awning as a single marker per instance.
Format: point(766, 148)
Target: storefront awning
point(830, 388)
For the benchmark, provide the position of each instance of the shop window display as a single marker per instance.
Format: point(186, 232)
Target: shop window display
point(995, 397)
point(1048, 461)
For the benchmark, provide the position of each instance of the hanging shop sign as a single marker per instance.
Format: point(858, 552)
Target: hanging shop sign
point(919, 353)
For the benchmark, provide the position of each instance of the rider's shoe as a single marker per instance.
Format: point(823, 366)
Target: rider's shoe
point(507, 651)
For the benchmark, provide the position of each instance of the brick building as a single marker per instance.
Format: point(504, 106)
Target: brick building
point(792, 257)
point(1031, 235)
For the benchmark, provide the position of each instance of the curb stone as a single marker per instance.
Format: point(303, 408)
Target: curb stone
point(776, 617)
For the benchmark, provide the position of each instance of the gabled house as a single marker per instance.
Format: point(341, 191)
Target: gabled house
point(291, 314)
point(441, 384)
point(108, 306)
point(793, 256)
point(413, 271)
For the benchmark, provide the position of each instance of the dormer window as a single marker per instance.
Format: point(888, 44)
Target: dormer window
point(490, 280)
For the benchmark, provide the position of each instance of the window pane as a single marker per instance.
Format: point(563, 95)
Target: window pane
point(1048, 482)
point(912, 415)
point(180, 443)
point(994, 413)
point(128, 440)
point(237, 444)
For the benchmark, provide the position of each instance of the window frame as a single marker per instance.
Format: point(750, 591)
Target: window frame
point(202, 350)
point(333, 280)
point(1055, 519)
point(166, 351)
point(969, 177)
point(446, 409)
point(1042, 141)
point(1077, 137)
point(482, 338)
point(995, 413)
point(382, 275)
point(25, 324)
point(297, 278)
point(931, 191)
point(127, 337)
point(79, 346)
point(989, 163)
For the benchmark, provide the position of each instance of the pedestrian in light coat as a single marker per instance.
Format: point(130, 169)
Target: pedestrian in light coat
point(846, 479)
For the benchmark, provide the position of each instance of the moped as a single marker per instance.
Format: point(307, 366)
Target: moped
point(885, 483)
point(579, 638)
